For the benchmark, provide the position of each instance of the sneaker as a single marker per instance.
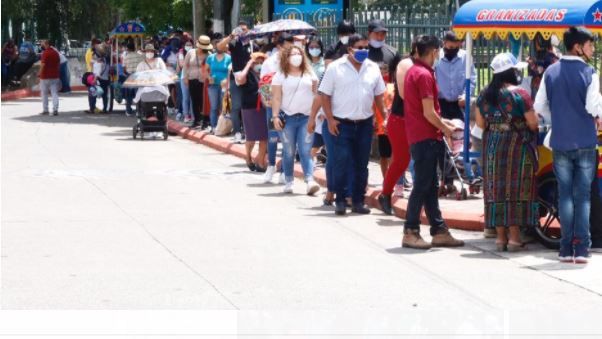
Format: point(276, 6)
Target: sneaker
point(565, 255)
point(312, 187)
point(44, 113)
point(55, 113)
point(188, 119)
point(412, 239)
point(340, 208)
point(288, 188)
point(281, 179)
point(360, 209)
point(445, 239)
point(269, 174)
point(398, 191)
point(489, 233)
point(581, 255)
point(237, 138)
point(385, 204)
point(179, 117)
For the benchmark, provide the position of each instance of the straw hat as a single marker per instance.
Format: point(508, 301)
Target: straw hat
point(149, 48)
point(204, 43)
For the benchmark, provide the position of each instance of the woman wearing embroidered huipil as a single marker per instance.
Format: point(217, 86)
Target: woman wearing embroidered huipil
point(505, 113)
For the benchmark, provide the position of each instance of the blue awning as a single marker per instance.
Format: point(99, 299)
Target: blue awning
point(526, 16)
point(129, 29)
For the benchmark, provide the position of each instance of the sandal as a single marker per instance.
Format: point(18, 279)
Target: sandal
point(516, 246)
point(501, 246)
point(259, 168)
point(251, 166)
point(328, 201)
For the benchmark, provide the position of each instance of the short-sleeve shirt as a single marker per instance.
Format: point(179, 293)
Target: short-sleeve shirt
point(384, 57)
point(352, 92)
point(146, 66)
point(250, 91)
point(420, 84)
point(335, 51)
point(297, 94)
point(240, 54)
point(271, 64)
point(515, 101)
point(52, 61)
point(219, 69)
point(131, 61)
point(26, 52)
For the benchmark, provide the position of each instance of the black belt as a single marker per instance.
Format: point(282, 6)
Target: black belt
point(449, 102)
point(350, 121)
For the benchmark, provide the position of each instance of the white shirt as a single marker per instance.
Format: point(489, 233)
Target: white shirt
point(297, 94)
point(593, 100)
point(270, 65)
point(147, 66)
point(352, 92)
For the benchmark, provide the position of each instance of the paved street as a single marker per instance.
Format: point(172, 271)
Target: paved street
point(92, 219)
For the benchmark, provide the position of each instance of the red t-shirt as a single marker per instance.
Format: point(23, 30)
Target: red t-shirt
point(420, 83)
point(52, 62)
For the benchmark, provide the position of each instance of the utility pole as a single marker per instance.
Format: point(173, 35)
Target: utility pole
point(198, 18)
point(265, 9)
point(218, 16)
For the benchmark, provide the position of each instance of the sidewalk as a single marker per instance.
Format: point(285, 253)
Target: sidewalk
point(463, 215)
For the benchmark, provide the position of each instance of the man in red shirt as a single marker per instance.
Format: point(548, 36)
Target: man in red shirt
point(49, 77)
point(424, 128)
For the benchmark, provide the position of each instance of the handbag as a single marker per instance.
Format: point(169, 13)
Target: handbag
point(224, 122)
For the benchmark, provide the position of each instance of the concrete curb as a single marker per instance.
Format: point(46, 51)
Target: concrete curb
point(456, 220)
point(24, 93)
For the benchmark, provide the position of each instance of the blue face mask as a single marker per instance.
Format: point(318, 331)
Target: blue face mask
point(360, 55)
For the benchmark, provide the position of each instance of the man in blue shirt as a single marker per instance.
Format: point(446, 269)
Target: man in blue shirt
point(451, 77)
point(569, 96)
point(27, 57)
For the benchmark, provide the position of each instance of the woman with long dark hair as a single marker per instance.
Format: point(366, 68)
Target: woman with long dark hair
point(505, 113)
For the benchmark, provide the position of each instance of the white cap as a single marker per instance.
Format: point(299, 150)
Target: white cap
point(504, 61)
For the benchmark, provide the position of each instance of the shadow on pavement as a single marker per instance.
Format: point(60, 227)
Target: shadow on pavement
point(402, 250)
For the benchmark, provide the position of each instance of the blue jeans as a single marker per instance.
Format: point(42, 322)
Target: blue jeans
point(186, 101)
point(273, 138)
point(575, 172)
point(215, 99)
point(295, 136)
point(426, 154)
point(236, 97)
point(329, 167)
point(65, 77)
point(350, 155)
point(130, 94)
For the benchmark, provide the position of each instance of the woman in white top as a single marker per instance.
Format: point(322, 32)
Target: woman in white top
point(150, 60)
point(293, 89)
point(186, 101)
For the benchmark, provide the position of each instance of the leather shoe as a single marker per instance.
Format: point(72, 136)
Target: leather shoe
point(340, 208)
point(360, 209)
point(445, 239)
point(385, 204)
point(412, 239)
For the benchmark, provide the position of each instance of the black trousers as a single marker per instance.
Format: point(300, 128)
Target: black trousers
point(196, 95)
point(451, 110)
point(596, 213)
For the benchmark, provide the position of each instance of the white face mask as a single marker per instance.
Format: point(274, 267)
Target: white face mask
point(295, 60)
point(376, 43)
point(344, 40)
point(187, 48)
point(150, 55)
point(315, 52)
point(257, 68)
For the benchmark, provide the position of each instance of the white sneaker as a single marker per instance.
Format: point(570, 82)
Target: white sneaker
point(281, 179)
point(269, 174)
point(237, 138)
point(312, 187)
point(288, 188)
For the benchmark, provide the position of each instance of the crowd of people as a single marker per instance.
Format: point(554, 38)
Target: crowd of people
point(293, 90)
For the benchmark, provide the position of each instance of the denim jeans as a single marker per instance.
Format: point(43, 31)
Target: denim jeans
point(130, 94)
point(295, 137)
point(186, 101)
point(273, 138)
point(574, 172)
point(426, 155)
point(236, 97)
point(350, 155)
point(65, 77)
point(329, 167)
point(104, 84)
point(215, 99)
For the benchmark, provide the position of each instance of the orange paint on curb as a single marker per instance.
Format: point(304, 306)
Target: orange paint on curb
point(456, 220)
point(24, 93)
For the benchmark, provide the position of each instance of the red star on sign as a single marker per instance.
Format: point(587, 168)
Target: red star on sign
point(597, 15)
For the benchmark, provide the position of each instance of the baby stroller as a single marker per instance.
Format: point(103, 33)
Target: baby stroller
point(453, 167)
point(151, 111)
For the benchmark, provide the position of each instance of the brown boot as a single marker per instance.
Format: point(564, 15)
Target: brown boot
point(412, 239)
point(445, 239)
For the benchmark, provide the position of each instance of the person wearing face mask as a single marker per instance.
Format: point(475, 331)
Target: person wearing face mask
point(345, 29)
point(130, 63)
point(218, 64)
point(270, 67)
point(170, 57)
point(293, 89)
point(349, 87)
point(569, 97)
point(424, 127)
point(510, 161)
point(186, 115)
point(253, 119)
point(195, 74)
point(314, 50)
point(451, 77)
